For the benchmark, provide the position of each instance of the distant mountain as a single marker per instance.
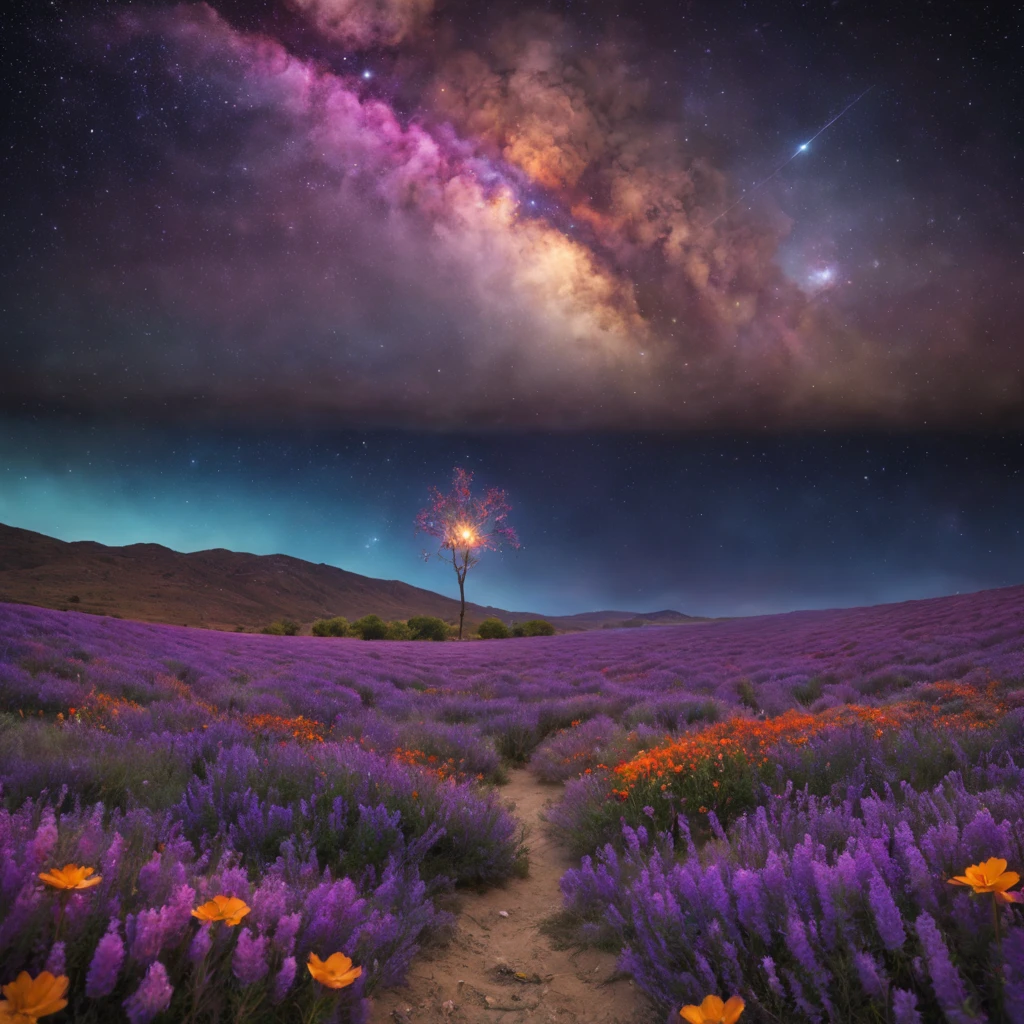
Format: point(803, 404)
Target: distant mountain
point(609, 620)
point(226, 589)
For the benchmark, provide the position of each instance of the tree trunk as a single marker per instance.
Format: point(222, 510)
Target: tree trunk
point(462, 610)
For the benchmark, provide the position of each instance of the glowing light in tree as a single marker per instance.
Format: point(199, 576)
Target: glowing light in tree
point(466, 525)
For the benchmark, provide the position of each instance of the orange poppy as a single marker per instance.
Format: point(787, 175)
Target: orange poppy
point(71, 876)
point(26, 999)
point(334, 972)
point(991, 876)
point(228, 909)
point(714, 1011)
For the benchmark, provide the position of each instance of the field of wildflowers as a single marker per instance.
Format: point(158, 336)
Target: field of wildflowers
point(201, 826)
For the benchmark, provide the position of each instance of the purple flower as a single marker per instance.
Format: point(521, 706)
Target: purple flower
point(42, 845)
point(946, 980)
point(145, 933)
point(872, 977)
point(153, 996)
point(904, 1007)
point(152, 930)
point(269, 902)
point(249, 963)
point(800, 947)
point(773, 979)
point(112, 857)
point(887, 914)
point(200, 945)
point(283, 979)
point(106, 964)
point(284, 934)
point(55, 961)
point(149, 881)
point(746, 886)
point(1013, 973)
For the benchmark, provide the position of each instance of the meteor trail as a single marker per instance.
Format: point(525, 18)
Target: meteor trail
point(802, 148)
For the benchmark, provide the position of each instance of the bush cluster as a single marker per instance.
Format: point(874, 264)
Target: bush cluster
point(336, 626)
point(373, 627)
point(419, 627)
point(282, 627)
point(495, 629)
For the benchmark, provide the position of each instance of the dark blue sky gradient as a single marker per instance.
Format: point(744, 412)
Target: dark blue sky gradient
point(708, 525)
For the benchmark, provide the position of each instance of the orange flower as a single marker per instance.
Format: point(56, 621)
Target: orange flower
point(334, 972)
point(27, 999)
point(714, 1011)
point(228, 909)
point(71, 876)
point(991, 876)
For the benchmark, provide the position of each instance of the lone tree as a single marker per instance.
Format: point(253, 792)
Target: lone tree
point(465, 525)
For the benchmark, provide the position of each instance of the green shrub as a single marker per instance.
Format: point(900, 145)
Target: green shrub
point(516, 740)
point(747, 695)
point(370, 627)
point(336, 626)
point(426, 627)
point(493, 629)
point(283, 627)
point(807, 693)
point(535, 627)
point(398, 630)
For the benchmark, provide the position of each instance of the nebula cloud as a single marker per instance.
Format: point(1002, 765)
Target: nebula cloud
point(366, 23)
point(524, 242)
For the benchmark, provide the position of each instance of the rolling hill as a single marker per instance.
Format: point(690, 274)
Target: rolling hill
point(224, 589)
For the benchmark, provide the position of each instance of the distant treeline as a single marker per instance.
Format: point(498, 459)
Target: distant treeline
point(419, 627)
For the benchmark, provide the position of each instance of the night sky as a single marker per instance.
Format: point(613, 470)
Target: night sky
point(269, 269)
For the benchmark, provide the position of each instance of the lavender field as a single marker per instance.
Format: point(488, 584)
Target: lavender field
point(770, 808)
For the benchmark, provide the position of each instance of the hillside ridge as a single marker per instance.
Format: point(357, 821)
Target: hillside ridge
point(226, 589)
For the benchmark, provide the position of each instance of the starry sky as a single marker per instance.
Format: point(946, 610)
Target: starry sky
point(268, 269)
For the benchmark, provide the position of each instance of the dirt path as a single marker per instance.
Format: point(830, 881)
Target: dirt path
point(477, 971)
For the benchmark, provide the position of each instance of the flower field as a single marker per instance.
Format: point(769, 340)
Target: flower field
point(202, 826)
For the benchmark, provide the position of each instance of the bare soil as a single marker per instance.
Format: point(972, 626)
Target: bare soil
point(500, 968)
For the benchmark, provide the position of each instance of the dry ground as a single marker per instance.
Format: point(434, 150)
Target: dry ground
point(502, 969)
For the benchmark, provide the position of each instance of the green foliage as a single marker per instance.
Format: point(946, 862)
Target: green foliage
point(516, 740)
point(335, 626)
point(370, 627)
point(96, 764)
point(747, 695)
point(426, 627)
point(493, 629)
point(807, 693)
point(282, 627)
point(535, 627)
point(398, 630)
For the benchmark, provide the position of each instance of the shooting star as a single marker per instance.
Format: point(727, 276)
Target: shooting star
point(802, 148)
